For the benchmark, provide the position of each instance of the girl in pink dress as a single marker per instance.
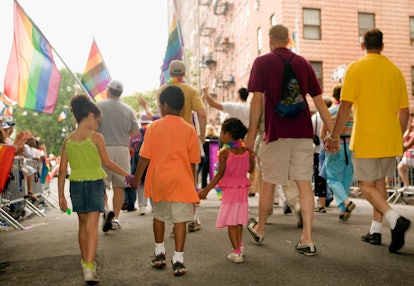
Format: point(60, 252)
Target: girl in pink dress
point(235, 161)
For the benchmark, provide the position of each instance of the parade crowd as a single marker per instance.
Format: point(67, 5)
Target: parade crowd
point(271, 144)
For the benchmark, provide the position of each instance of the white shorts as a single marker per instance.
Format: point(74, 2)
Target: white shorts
point(120, 155)
point(286, 159)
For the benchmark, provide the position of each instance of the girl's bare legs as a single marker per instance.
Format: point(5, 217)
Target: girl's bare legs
point(88, 235)
point(235, 235)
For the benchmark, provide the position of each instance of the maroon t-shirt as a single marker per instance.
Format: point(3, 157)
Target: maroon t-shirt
point(266, 76)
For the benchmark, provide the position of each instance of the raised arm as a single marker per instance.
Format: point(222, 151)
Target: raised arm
point(211, 101)
point(144, 105)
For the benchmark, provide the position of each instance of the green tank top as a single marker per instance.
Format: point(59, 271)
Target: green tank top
point(84, 161)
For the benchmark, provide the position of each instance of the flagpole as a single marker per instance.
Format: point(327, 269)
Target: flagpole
point(57, 54)
point(180, 36)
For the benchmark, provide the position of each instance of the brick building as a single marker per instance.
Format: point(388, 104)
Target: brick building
point(222, 38)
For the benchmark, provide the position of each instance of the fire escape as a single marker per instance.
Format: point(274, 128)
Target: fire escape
point(216, 45)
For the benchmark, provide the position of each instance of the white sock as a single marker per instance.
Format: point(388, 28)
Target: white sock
point(391, 216)
point(376, 227)
point(159, 248)
point(178, 256)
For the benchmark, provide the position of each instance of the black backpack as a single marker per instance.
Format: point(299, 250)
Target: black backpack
point(292, 102)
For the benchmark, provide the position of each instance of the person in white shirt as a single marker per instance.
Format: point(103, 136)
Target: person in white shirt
point(239, 109)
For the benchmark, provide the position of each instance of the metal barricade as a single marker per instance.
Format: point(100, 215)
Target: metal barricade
point(13, 194)
point(396, 188)
point(38, 189)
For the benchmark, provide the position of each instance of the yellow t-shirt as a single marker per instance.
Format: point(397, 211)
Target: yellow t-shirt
point(171, 145)
point(377, 89)
point(192, 99)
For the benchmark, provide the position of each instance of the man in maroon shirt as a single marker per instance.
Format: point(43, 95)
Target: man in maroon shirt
point(286, 152)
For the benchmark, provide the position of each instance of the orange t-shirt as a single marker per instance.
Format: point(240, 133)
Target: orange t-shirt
point(171, 145)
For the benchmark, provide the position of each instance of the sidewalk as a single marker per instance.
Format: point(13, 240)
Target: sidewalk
point(47, 252)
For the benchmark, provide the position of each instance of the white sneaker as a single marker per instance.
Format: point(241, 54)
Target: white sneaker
point(89, 275)
point(236, 258)
point(115, 224)
point(141, 210)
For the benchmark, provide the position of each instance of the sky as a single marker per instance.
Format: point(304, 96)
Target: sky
point(131, 35)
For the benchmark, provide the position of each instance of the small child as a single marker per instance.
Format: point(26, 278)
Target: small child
point(84, 150)
point(170, 150)
point(234, 163)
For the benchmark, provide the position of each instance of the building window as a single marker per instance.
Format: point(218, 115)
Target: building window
point(317, 67)
point(366, 22)
point(412, 31)
point(259, 41)
point(272, 20)
point(312, 24)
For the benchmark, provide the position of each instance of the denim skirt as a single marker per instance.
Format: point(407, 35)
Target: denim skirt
point(87, 196)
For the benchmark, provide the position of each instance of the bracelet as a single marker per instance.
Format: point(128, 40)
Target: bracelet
point(329, 136)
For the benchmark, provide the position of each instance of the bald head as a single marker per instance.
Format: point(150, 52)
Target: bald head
point(279, 36)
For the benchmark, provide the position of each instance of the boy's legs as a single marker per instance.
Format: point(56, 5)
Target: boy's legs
point(179, 235)
point(159, 228)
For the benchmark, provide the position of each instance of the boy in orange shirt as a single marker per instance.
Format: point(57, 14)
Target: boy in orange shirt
point(171, 152)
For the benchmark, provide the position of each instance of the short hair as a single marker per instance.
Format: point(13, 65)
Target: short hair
point(373, 39)
point(81, 106)
point(328, 100)
point(173, 96)
point(235, 127)
point(279, 34)
point(243, 93)
point(336, 93)
point(211, 131)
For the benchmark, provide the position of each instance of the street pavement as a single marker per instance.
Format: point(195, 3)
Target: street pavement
point(47, 252)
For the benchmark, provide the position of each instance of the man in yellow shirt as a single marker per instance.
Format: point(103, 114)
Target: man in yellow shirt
point(376, 89)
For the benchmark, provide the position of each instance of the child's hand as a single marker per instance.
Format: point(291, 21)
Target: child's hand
point(202, 194)
point(63, 204)
point(130, 181)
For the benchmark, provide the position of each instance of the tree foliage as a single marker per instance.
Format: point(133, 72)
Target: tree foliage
point(150, 98)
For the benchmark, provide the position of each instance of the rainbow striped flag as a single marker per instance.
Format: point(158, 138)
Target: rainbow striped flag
point(96, 76)
point(6, 161)
point(62, 116)
point(6, 105)
point(45, 174)
point(174, 49)
point(32, 78)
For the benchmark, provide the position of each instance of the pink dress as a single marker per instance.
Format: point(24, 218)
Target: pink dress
point(235, 184)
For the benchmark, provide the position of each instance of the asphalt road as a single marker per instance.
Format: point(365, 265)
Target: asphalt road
point(47, 252)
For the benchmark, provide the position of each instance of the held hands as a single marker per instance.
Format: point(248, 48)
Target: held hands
point(331, 145)
point(130, 181)
point(202, 194)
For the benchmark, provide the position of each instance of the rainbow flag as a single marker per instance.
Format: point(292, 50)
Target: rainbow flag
point(292, 41)
point(6, 105)
point(45, 174)
point(96, 76)
point(6, 161)
point(32, 78)
point(174, 49)
point(62, 116)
